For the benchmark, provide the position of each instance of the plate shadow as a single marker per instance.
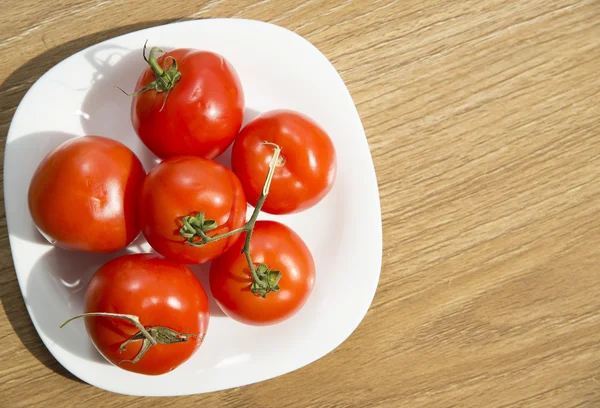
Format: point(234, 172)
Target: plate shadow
point(54, 293)
point(201, 272)
point(34, 147)
point(14, 88)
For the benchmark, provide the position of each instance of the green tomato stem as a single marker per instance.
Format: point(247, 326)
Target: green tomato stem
point(250, 228)
point(151, 60)
point(221, 236)
point(130, 318)
point(261, 200)
point(150, 336)
point(196, 226)
point(164, 79)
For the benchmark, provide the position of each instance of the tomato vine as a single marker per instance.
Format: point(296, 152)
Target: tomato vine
point(195, 229)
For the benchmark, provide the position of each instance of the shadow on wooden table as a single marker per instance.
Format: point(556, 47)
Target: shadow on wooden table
point(13, 89)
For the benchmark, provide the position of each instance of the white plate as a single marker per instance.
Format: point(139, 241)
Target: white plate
point(278, 69)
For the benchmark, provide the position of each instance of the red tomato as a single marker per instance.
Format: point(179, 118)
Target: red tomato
point(202, 113)
point(160, 293)
point(280, 249)
point(84, 195)
point(183, 186)
point(307, 166)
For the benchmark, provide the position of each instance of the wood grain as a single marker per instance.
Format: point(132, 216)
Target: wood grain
point(483, 121)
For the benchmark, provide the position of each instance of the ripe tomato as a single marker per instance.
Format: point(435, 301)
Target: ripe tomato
point(203, 109)
point(280, 249)
point(184, 186)
point(306, 169)
point(162, 294)
point(84, 195)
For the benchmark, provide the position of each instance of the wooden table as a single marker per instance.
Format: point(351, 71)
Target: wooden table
point(484, 123)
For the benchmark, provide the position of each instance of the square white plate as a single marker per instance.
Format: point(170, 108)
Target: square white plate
point(278, 69)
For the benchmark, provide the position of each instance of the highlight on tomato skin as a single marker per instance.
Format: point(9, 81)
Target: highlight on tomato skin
point(306, 170)
point(84, 195)
point(279, 248)
point(166, 297)
point(187, 102)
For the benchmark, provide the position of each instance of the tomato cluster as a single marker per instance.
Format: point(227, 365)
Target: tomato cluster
point(148, 313)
